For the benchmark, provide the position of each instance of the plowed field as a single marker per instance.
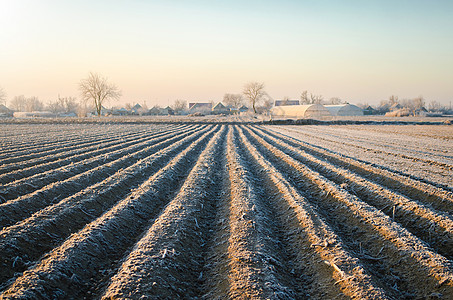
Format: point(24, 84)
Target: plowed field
point(142, 211)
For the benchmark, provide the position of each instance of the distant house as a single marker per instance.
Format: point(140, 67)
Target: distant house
point(198, 107)
point(219, 108)
point(232, 109)
point(155, 111)
point(395, 106)
point(243, 109)
point(422, 111)
point(5, 112)
point(368, 111)
point(67, 115)
point(34, 114)
point(120, 112)
point(104, 112)
point(137, 109)
point(167, 111)
point(286, 102)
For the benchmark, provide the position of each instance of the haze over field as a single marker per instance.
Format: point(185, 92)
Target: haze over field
point(159, 51)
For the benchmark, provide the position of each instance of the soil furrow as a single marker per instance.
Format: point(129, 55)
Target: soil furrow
point(195, 210)
point(393, 142)
point(255, 270)
point(424, 172)
point(42, 153)
point(43, 177)
point(49, 227)
point(168, 261)
point(330, 269)
point(49, 139)
point(67, 270)
point(46, 139)
point(65, 158)
point(14, 170)
point(382, 150)
point(434, 228)
point(424, 193)
point(381, 239)
point(22, 207)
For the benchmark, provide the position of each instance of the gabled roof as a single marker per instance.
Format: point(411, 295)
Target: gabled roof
point(243, 108)
point(4, 109)
point(219, 106)
point(395, 106)
point(286, 102)
point(200, 105)
point(136, 106)
point(155, 108)
point(120, 109)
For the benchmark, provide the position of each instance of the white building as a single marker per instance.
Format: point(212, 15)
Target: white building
point(344, 110)
point(300, 111)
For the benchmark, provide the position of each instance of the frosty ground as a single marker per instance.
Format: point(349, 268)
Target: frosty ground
point(193, 210)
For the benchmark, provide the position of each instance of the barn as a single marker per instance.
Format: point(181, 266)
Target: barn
point(5, 111)
point(204, 108)
point(219, 108)
point(300, 111)
point(344, 110)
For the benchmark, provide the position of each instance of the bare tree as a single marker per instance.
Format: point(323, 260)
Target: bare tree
point(316, 99)
point(96, 88)
point(285, 100)
point(63, 105)
point(335, 101)
point(18, 103)
point(235, 100)
point(304, 98)
point(393, 100)
point(21, 103)
point(179, 106)
point(2, 96)
point(433, 105)
point(419, 102)
point(268, 102)
point(254, 92)
point(54, 106)
point(33, 104)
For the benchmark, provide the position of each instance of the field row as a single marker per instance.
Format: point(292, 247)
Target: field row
point(215, 211)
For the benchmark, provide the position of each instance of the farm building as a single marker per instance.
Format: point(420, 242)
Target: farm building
point(369, 111)
point(344, 110)
point(300, 111)
point(286, 102)
point(219, 108)
point(167, 111)
point(395, 106)
point(34, 114)
point(137, 109)
point(5, 111)
point(243, 109)
point(120, 112)
point(204, 108)
point(155, 111)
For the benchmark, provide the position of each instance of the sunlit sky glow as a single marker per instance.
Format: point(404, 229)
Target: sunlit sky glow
point(159, 51)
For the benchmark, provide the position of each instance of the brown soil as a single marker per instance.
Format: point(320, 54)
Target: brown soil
point(149, 211)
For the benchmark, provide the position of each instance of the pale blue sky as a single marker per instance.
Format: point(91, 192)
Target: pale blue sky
point(159, 51)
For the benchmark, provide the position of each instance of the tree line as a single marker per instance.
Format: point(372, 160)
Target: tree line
point(95, 90)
